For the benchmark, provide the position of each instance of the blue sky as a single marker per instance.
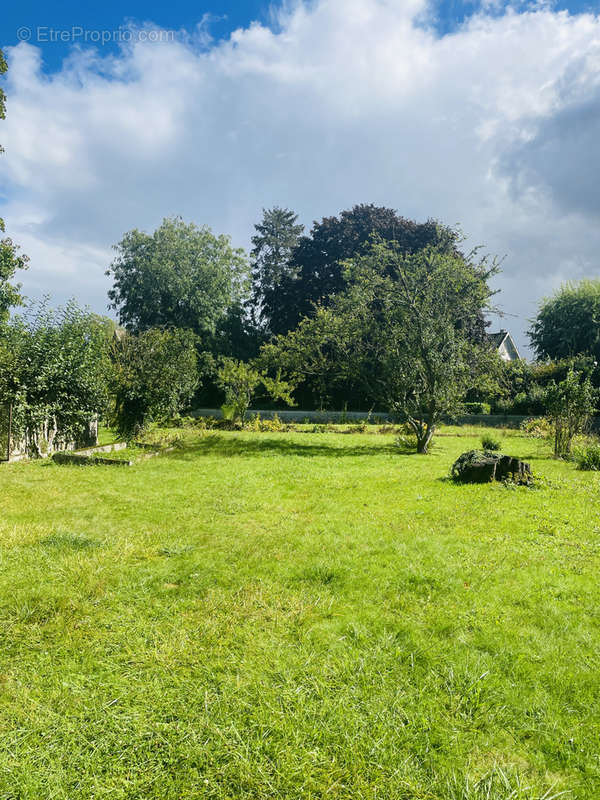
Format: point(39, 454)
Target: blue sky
point(221, 18)
point(484, 115)
point(224, 16)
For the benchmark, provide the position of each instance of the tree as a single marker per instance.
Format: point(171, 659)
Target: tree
point(316, 272)
point(181, 276)
point(400, 331)
point(10, 260)
point(568, 323)
point(54, 372)
point(240, 381)
point(273, 245)
point(155, 376)
point(570, 405)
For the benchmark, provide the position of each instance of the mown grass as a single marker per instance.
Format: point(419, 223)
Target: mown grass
point(299, 616)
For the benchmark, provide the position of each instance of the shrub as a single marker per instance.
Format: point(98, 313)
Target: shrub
point(490, 442)
point(265, 425)
point(155, 375)
point(54, 372)
point(587, 456)
point(228, 412)
point(570, 404)
point(240, 382)
point(359, 427)
point(406, 442)
point(537, 428)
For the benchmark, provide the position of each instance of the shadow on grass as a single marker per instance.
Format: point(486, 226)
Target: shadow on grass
point(216, 444)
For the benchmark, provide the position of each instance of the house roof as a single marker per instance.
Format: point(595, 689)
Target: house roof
point(497, 338)
point(503, 337)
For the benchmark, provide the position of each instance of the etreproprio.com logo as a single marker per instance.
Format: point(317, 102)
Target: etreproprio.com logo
point(77, 34)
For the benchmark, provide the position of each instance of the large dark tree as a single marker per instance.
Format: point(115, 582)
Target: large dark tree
point(272, 248)
point(316, 270)
point(568, 323)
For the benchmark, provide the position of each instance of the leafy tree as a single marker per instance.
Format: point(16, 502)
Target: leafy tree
point(54, 372)
point(273, 244)
point(568, 323)
point(181, 276)
point(400, 331)
point(10, 260)
point(240, 382)
point(237, 336)
point(155, 376)
point(570, 405)
point(316, 272)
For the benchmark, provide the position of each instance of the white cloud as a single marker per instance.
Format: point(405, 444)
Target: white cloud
point(342, 101)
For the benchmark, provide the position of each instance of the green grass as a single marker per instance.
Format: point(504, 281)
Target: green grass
point(299, 616)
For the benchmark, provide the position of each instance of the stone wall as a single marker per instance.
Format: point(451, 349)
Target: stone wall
point(42, 441)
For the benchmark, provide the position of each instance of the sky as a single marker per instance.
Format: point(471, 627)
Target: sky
point(482, 114)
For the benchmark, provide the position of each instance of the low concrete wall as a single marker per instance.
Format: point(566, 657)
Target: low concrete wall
point(376, 417)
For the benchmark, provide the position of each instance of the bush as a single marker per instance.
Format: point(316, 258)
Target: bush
point(490, 442)
point(155, 375)
point(406, 442)
point(228, 412)
point(570, 405)
point(477, 408)
point(537, 428)
point(266, 425)
point(359, 427)
point(587, 456)
point(531, 402)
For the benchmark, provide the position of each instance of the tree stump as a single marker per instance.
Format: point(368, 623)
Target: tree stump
point(483, 466)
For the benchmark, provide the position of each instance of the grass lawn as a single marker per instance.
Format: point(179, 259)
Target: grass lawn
point(299, 616)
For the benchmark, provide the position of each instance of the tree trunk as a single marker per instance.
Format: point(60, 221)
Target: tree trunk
point(424, 439)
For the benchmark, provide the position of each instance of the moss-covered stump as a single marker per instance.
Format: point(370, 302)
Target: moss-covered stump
point(483, 466)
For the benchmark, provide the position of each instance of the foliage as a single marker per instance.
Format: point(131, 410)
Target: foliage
point(491, 442)
point(181, 276)
point(406, 441)
point(155, 376)
point(400, 331)
point(523, 386)
point(317, 273)
point(538, 428)
point(570, 406)
point(54, 371)
point(273, 425)
point(477, 408)
point(240, 382)
point(587, 455)
point(568, 323)
point(273, 244)
point(10, 259)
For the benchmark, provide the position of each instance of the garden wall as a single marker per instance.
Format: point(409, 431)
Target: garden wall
point(323, 417)
point(41, 442)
